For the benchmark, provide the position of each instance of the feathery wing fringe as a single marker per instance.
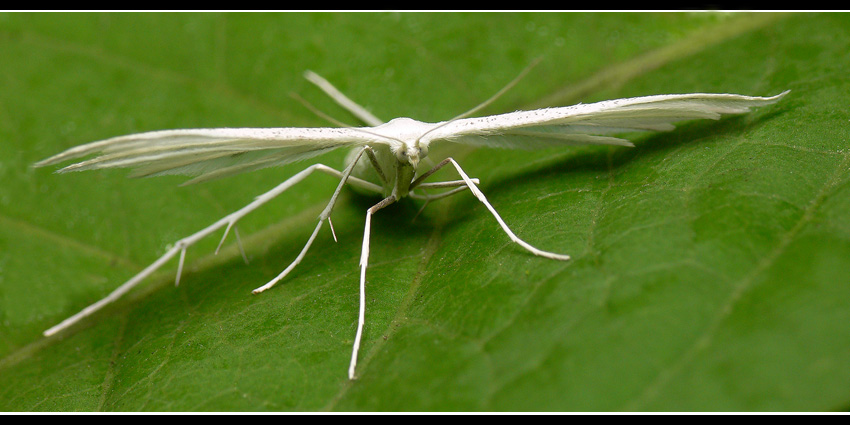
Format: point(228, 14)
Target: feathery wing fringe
point(590, 123)
point(220, 152)
point(209, 153)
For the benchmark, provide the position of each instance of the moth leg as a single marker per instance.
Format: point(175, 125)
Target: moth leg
point(364, 260)
point(344, 177)
point(342, 100)
point(419, 182)
point(459, 186)
point(428, 198)
point(475, 191)
point(181, 245)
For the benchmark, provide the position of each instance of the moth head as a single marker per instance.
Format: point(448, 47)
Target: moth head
point(412, 154)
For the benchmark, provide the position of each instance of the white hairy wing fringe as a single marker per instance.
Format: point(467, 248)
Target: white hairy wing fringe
point(219, 152)
point(589, 123)
point(208, 153)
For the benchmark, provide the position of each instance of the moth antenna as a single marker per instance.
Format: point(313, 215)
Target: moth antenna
point(487, 102)
point(338, 122)
point(316, 111)
point(341, 99)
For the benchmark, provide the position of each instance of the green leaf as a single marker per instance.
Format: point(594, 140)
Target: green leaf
point(709, 265)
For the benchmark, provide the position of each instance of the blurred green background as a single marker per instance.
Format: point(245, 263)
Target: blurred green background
point(710, 264)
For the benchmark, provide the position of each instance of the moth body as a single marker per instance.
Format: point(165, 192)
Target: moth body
point(398, 159)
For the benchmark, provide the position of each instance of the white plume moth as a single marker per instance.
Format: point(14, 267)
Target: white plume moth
point(388, 152)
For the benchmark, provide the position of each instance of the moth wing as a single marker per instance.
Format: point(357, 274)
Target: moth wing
point(209, 153)
point(593, 123)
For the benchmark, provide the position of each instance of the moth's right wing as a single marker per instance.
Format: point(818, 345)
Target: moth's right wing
point(210, 153)
point(592, 123)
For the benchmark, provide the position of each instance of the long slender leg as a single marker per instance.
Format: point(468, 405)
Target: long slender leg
point(181, 245)
point(474, 189)
point(428, 173)
point(325, 215)
point(428, 198)
point(419, 182)
point(364, 260)
point(449, 183)
point(471, 183)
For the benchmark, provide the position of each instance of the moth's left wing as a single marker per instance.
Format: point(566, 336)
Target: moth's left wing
point(210, 153)
point(592, 123)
